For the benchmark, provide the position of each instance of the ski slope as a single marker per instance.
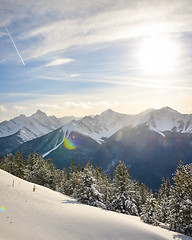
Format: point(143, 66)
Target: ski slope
point(47, 215)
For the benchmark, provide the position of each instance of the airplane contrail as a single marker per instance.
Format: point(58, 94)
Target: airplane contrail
point(14, 45)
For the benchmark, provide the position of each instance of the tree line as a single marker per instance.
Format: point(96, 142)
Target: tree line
point(170, 207)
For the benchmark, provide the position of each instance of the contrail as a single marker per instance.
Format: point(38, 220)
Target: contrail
point(14, 45)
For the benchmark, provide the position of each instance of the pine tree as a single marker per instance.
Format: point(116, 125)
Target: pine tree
point(163, 202)
point(122, 191)
point(106, 190)
point(87, 190)
point(148, 214)
point(180, 214)
point(20, 168)
point(9, 164)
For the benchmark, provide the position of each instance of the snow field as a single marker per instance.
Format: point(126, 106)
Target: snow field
point(47, 215)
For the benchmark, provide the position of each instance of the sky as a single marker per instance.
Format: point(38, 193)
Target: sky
point(82, 57)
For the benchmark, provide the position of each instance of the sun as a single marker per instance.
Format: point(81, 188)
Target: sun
point(158, 55)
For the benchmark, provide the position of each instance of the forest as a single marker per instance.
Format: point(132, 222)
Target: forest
point(170, 206)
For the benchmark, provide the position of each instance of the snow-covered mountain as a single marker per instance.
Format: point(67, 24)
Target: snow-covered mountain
point(97, 127)
point(154, 139)
point(46, 215)
point(32, 127)
point(109, 122)
point(165, 119)
point(100, 126)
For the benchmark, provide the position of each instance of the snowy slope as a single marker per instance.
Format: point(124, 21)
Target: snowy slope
point(47, 215)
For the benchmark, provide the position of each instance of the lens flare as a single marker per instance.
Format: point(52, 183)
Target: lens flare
point(2, 209)
point(69, 142)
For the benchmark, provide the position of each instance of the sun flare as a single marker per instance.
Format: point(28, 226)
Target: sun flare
point(158, 55)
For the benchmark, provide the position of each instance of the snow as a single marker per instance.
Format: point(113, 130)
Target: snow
point(164, 119)
point(99, 126)
point(47, 215)
point(53, 149)
point(154, 130)
point(74, 126)
point(38, 124)
point(109, 122)
point(103, 125)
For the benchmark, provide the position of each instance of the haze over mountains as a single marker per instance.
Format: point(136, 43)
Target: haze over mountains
point(151, 142)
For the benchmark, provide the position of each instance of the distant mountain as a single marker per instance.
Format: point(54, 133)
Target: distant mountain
point(109, 122)
point(100, 126)
point(22, 129)
point(150, 143)
point(149, 155)
point(165, 119)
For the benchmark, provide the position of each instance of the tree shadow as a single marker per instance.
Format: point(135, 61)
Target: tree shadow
point(182, 237)
point(70, 201)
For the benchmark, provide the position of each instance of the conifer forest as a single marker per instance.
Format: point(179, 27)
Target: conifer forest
point(170, 206)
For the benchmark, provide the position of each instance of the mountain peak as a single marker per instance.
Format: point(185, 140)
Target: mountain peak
point(168, 109)
point(109, 112)
point(39, 113)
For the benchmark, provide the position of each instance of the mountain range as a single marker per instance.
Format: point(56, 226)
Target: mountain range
point(150, 143)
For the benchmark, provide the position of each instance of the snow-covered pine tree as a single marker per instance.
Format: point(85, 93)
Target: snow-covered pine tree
point(180, 214)
point(122, 191)
point(148, 214)
point(139, 194)
point(87, 190)
point(105, 187)
point(50, 174)
point(9, 164)
point(163, 202)
point(20, 168)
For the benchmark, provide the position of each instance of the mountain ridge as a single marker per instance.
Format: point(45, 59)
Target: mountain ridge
point(98, 127)
point(150, 143)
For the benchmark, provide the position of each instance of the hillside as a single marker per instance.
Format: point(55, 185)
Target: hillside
point(45, 214)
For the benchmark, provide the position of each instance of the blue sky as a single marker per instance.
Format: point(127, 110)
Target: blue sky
point(80, 57)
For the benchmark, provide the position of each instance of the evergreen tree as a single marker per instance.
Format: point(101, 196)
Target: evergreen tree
point(122, 191)
point(106, 190)
point(163, 202)
point(87, 190)
point(148, 214)
point(20, 168)
point(180, 215)
point(139, 194)
point(9, 164)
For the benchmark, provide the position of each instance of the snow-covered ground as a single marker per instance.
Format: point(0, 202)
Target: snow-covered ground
point(47, 215)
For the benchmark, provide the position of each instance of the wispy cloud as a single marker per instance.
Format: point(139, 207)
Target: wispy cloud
point(49, 106)
point(93, 24)
point(19, 108)
point(89, 105)
point(100, 39)
point(60, 61)
point(74, 75)
point(54, 28)
point(3, 109)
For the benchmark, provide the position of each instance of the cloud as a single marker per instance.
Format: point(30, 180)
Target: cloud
point(74, 75)
point(3, 109)
point(89, 105)
point(60, 61)
point(56, 26)
point(20, 108)
point(52, 106)
point(90, 24)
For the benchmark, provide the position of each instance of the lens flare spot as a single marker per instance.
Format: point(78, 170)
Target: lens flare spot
point(69, 144)
point(2, 209)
